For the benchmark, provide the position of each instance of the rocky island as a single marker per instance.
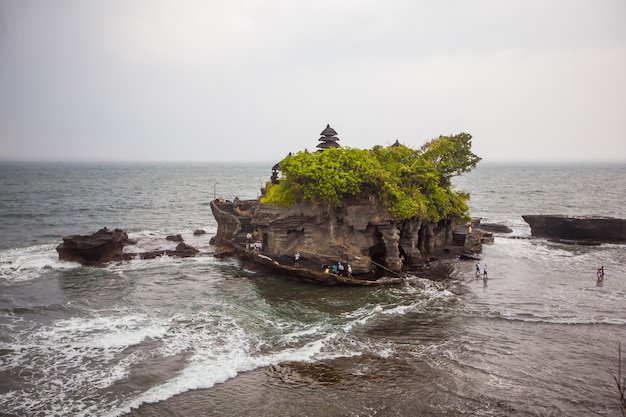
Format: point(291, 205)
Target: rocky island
point(378, 212)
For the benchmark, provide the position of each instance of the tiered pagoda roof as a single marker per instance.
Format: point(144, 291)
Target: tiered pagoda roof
point(329, 139)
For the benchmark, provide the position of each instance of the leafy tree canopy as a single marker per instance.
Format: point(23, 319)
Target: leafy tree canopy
point(409, 182)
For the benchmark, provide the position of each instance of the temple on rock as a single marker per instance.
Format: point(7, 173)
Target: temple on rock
point(357, 232)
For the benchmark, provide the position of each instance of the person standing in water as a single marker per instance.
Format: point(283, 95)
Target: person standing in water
point(485, 272)
point(477, 268)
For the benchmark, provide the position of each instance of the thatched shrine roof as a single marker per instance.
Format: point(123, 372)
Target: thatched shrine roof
point(329, 131)
point(329, 144)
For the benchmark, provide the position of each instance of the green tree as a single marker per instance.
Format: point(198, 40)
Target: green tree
point(451, 155)
point(410, 183)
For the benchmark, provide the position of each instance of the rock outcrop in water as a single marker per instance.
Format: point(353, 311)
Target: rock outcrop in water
point(106, 246)
point(362, 208)
point(98, 248)
point(575, 228)
point(366, 237)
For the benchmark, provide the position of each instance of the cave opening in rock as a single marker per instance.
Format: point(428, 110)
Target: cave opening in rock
point(377, 254)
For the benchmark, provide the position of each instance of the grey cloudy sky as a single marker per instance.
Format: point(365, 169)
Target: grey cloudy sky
point(530, 80)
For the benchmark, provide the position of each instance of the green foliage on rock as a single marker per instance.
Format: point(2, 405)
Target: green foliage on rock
point(409, 182)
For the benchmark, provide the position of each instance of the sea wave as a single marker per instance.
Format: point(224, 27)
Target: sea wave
point(550, 318)
point(24, 264)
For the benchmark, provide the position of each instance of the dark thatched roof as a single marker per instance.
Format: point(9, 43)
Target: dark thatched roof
point(329, 131)
point(328, 139)
point(329, 144)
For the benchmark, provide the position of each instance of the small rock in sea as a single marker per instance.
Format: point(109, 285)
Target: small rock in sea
point(495, 228)
point(199, 232)
point(175, 238)
point(183, 247)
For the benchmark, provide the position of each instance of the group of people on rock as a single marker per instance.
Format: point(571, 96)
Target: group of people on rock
point(257, 246)
point(338, 269)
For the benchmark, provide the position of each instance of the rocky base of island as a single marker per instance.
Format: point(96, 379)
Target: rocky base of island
point(379, 249)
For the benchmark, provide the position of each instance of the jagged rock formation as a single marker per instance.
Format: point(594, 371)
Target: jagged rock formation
point(366, 236)
point(107, 246)
point(98, 248)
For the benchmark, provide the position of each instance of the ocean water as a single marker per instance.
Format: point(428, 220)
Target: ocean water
point(204, 336)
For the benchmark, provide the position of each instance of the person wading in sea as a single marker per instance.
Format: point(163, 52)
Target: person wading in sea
point(600, 273)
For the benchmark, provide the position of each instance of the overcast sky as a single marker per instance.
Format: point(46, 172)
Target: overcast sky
point(132, 80)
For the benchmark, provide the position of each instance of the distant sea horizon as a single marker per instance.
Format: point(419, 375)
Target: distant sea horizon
point(559, 162)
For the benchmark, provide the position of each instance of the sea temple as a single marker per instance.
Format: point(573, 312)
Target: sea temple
point(359, 232)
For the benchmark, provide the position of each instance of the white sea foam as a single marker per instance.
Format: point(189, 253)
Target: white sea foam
point(215, 363)
point(230, 349)
point(104, 332)
point(300, 333)
point(83, 355)
point(24, 264)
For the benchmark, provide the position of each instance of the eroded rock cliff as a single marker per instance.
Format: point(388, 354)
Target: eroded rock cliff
point(366, 236)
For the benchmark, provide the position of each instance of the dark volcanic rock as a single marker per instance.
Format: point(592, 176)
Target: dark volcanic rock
point(174, 238)
point(199, 232)
point(495, 228)
point(182, 250)
point(598, 228)
point(95, 249)
point(107, 246)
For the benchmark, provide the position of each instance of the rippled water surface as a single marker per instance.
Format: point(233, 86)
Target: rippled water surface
point(202, 336)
